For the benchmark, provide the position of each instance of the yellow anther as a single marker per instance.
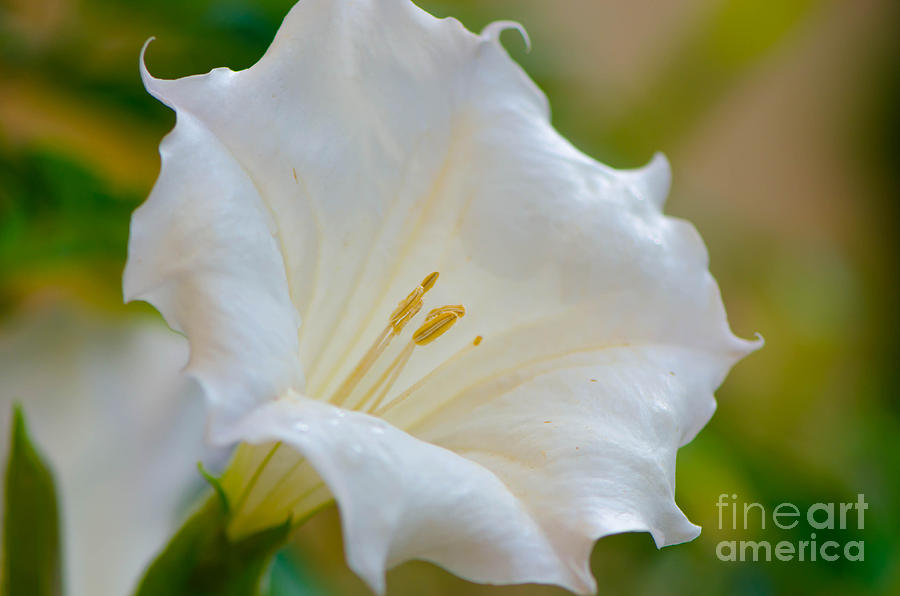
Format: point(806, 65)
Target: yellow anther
point(429, 281)
point(459, 309)
point(361, 388)
point(477, 340)
point(411, 302)
point(399, 323)
point(434, 327)
point(410, 306)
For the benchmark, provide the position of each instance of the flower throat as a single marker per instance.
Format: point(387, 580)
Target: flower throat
point(368, 383)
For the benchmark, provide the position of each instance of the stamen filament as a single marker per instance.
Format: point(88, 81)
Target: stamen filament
point(403, 396)
point(408, 308)
point(360, 370)
point(394, 371)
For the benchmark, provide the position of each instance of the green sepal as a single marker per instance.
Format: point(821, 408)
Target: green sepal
point(217, 486)
point(201, 560)
point(31, 535)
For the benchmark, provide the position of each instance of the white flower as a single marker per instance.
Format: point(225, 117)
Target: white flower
point(301, 199)
point(120, 428)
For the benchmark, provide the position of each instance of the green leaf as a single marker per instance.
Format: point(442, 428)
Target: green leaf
point(201, 560)
point(31, 546)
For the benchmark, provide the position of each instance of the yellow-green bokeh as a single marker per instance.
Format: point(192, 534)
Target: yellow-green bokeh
point(780, 120)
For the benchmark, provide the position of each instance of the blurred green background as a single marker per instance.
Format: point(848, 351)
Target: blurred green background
point(780, 119)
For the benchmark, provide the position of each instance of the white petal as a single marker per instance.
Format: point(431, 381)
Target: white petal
point(493, 30)
point(203, 251)
point(401, 498)
point(588, 441)
point(388, 144)
point(345, 126)
point(120, 428)
point(650, 183)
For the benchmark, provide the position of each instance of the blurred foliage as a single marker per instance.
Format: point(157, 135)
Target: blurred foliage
point(57, 219)
point(733, 37)
point(31, 534)
point(811, 418)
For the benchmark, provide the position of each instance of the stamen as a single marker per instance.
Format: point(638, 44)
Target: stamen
point(411, 304)
point(459, 309)
point(358, 392)
point(438, 321)
point(401, 322)
point(389, 377)
point(429, 281)
point(365, 363)
point(434, 327)
point(408, 308)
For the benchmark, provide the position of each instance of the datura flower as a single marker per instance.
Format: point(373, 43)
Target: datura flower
point(406, 292)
